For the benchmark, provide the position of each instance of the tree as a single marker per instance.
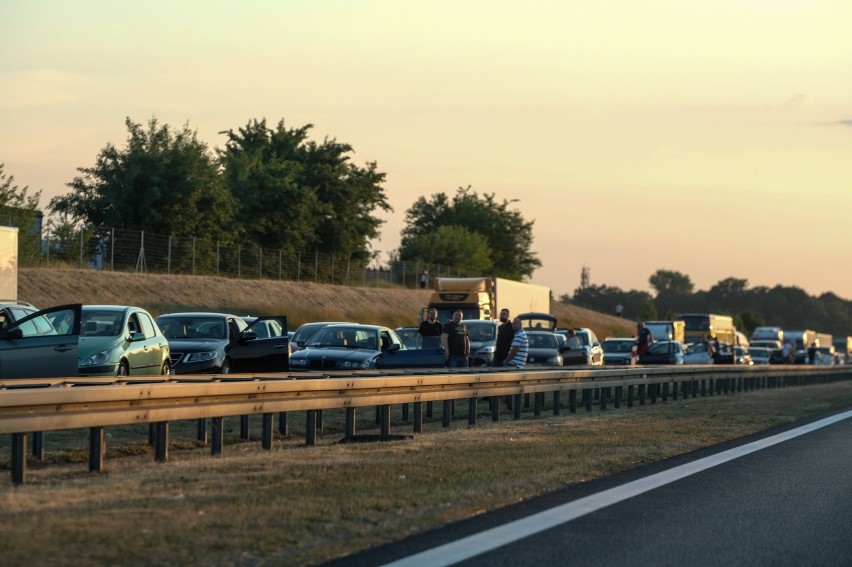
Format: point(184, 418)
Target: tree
point(19, 209)
point(667, 281)
point(453, 246)
point(297, 194)
point(164, 182)
point(507, 234)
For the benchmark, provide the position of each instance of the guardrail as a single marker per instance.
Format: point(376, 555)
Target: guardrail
point(49, 404)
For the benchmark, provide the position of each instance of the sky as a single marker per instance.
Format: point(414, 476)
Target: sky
point(708, 138)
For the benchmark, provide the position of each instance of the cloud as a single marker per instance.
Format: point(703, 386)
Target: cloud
point(847, 122)
point(800, 100)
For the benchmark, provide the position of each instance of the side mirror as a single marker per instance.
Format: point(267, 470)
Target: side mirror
point(13, 334)
point(136, 337)
point(248, 336)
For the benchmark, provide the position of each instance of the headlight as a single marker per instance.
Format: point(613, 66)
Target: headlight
point(96, 359)
point(554, 360)
point(357, 365)
point(487, 350)
point(298, 362)
point(201, 356)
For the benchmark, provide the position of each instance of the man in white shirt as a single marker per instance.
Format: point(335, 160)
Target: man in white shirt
point(517, 356)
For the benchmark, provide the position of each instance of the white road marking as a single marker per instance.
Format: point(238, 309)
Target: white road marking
point(474, 545)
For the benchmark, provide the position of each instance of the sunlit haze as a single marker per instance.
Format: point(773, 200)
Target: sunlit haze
point(710, 138)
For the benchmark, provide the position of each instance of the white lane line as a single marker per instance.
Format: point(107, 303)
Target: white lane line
point(474, 545)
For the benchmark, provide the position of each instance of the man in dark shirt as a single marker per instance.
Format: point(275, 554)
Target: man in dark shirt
point(505, 334)
point(429, 333)
point(644, 338)
point(456, 342)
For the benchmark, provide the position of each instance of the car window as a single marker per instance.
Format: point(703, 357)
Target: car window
point(148, 328)
point(102, 323)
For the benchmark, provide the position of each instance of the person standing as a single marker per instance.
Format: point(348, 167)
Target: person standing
point(505, 334)
point(424, 279)
point(517, 356)
point(456, 342)
point(644, 338)
point(429, 333)
point(618, 310)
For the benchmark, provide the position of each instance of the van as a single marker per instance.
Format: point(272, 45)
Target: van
point(768, 333)
point(666, 330)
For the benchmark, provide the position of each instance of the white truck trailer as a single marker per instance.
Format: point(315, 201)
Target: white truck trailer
point(8, 264)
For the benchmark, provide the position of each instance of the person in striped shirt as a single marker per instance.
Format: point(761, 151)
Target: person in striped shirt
point(517, 356)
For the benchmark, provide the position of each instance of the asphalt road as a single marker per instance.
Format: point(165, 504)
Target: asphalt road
point(780, 498)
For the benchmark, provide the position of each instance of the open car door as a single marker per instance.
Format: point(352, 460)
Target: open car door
point(43, 344)
point(262, 347)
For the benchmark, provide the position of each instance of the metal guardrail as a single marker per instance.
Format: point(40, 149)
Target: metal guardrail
point(39, 405)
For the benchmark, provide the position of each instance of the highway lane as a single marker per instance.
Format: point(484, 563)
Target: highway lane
point(781, 498)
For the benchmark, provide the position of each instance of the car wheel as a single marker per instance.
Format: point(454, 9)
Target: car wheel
point(167, 368)
point(123, 368)
point(226, 367)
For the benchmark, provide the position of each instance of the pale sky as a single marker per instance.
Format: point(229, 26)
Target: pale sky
point(710, 138)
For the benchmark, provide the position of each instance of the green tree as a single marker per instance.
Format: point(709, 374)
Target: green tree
point(296, 194)
point(667, 281)
point(453, 246)
point(648, 311)
point(163, 182)
point(19, 209)
point(508, 235)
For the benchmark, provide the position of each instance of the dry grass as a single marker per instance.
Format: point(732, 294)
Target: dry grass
point(295, 505)
point(300, 301)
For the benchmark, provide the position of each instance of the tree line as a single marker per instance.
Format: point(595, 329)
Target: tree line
point(788, 307)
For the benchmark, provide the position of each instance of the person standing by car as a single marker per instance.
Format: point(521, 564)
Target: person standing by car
point(429, 333)
point(456, 343)
point(644, 338)
point(505, 334)
point(517, 356)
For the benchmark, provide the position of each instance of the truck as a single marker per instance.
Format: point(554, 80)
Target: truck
point(8, 264)
point(666, 330)
point(484, 297)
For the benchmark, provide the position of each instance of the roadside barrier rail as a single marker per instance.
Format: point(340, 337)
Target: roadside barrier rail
point(35, 406)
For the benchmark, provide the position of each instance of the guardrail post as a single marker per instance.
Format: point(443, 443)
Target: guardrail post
point(556, 402)
point(201, 433)
point(385, 425)
point(349, 427)
point(266, 430)
point(641, 394)
point(471, 411)
point(666, 391)
point(517, 403)
point(311, 428)
point(694, 388)
point(38, 445)
point(405, 412)
point(96, 449)
point(617, 397)
point(653, 391)
point(589, 395)
point(539, 402)
point(244, 427)
point(572, 401)
point(418, 417)
point(429, 409)
point(161, 452)
point(630, 396)
point(446, 416)
point(283, 425)
point(675, 386)
point(604, 395)
point(217, 425)
point(19, 457)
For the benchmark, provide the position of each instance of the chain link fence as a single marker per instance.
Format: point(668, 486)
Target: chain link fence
point(145, 252)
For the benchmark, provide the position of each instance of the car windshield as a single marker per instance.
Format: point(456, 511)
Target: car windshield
point(102, 323)
point(348, 337)
point(662, 346)
point(193, 327)
point(481, 332)
point(617, 346)
point(542, 340)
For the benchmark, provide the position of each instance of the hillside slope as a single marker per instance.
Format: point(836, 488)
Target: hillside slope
point(300, 301)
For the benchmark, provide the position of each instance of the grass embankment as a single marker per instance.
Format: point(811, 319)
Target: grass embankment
point(295, 505)
point(300, 301)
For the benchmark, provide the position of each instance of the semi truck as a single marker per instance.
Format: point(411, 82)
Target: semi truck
point(484, 297)
point(667, 330)
point(8, 264)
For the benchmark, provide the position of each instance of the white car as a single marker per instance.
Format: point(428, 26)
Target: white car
point(697, 353)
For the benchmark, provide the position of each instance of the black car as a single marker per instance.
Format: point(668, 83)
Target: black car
point(358, 347)
point(663, 352)
point(221, 343)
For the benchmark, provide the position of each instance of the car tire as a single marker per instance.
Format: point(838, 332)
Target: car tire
point(123, 368)
point(226, 366)
point(167, 368)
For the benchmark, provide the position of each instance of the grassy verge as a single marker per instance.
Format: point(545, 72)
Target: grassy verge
point(295, 505)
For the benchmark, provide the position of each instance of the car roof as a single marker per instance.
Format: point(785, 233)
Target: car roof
point(198, 314)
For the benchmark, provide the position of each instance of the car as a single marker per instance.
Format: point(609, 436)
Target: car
point(760, 355)
point(39, 344)
point(222, 343)
point(483, 341)
point(305, 332)
point(543, 348)
point(698, 353)
point(408, 335)
point(663, 352)
point(619, 351)
point(350, 346)
point(583, 348)
point(121, 340)
point(742, 356)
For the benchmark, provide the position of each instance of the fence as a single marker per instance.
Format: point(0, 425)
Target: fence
point(138, 251)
